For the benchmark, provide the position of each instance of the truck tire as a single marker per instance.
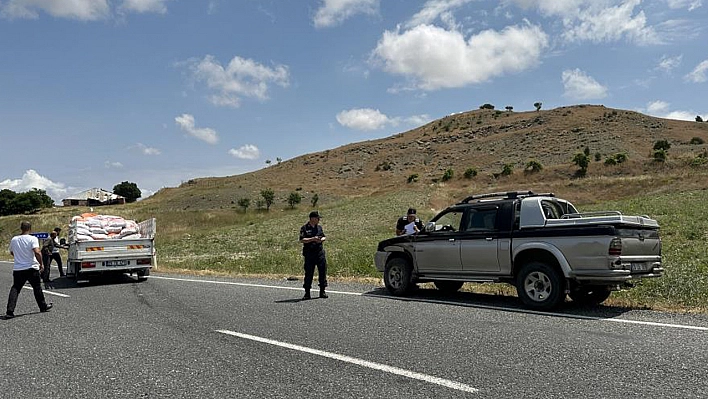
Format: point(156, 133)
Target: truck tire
point(447, 286)
point(143, 274)
point(398, 276)
point(588, 295)
point(540, 286)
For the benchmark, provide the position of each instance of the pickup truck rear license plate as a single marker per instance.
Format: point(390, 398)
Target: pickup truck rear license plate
point(639, 267)
point(122, 263)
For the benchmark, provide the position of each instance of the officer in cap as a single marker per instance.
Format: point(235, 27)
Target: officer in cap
point(312, 236)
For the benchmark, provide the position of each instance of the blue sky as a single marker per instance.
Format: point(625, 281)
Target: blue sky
point(96, 92)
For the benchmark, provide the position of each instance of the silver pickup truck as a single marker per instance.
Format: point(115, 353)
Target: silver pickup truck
point(537, 242)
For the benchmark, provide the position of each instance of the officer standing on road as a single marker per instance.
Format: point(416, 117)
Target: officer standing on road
point(28, 265)
point(312, 236)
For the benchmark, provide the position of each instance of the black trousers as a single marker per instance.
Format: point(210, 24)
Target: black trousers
point(312, 259)
point(47, 261)
point(19, 278)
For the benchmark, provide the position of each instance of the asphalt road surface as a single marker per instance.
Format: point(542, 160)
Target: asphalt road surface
point(201, 337)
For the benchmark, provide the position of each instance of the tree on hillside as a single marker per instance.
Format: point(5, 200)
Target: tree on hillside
point(294, 199)
point(244, 203)
point(509, 108)
point(278, 159)
point(538, 106)
point(582, 161)
point(268, 196)
point(662, 145)
point(129, 190)
point(698, 118)
point(486, 106)
point(315, 198)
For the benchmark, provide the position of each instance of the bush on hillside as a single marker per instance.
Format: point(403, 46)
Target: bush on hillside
point(662, 145)
point(244, 203)
point(533, 166)
point(293, 199)
point(696, 140)
point(448, 175)
point(507, 169)
point(470, 173)
point(412, 178)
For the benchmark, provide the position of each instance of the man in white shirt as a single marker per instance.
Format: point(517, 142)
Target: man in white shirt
point(28, 265)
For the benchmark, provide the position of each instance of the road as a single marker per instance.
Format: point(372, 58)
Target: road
point(204, 337)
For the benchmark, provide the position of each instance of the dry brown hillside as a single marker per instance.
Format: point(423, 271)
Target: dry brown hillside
point(484, 140)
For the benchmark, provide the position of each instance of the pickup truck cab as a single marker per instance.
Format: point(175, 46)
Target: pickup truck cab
point(537, 242)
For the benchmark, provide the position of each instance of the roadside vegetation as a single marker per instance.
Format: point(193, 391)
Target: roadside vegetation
point(257, 242)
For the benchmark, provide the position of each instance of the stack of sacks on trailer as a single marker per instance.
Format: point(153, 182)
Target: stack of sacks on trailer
point(90, 226)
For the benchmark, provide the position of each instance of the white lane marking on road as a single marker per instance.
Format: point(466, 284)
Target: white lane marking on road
point(27, 287)
point(360, 362)
point(469, 305)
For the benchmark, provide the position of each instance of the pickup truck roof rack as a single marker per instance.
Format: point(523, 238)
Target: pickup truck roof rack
point(505, 195)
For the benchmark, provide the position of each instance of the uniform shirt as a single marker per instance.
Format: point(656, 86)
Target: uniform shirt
point(308, 231)
point(22, 247)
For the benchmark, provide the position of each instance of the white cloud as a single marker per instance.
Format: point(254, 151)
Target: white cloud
point(432, 10)
point(334, 12)
point(86, 10)
point(112, 165)
point(662, 109)
point(690, 4)
point(31, 179)
point(363, 119)
point(147, 150)
point(435, 58)
point(611, 24)
point(373, 119)
point(668, 64)
point(580, 86)
point(186, 123)
point(698, 75)
point(145, 6)
point(597, 21)
point(240, 78)
point(248, 151)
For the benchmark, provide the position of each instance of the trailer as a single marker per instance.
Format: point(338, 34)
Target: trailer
point(114, 255)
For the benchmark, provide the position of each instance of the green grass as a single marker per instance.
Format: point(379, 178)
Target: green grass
point(233, 242)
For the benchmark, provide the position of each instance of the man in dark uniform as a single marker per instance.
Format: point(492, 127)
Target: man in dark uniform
point(404, 221)
point(312, 236)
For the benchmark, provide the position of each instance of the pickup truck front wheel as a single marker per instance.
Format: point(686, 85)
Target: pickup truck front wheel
point(398, 276)
point(539, 286)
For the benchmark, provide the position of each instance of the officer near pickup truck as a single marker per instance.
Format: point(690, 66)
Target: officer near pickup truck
point(312, 236)
point(409, 224)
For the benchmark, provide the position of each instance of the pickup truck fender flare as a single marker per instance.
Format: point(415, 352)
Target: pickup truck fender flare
point(564, 265)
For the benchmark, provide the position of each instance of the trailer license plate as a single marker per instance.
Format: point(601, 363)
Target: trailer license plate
point(110, 263)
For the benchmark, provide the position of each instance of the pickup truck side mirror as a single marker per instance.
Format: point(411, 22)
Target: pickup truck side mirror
point(429, 227)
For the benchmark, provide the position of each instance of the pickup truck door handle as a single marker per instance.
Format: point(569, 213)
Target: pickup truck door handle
point(489, 238)
point(451, 239)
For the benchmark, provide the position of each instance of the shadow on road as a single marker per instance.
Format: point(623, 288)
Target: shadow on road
point(101, 279)
point(501, 303)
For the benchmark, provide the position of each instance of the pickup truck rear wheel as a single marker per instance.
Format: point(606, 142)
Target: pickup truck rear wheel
point(398, 276)
point(448, 287)
point(590, 294)
point(540, 286)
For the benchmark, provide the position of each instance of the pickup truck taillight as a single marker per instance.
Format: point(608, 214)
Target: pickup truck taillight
point(615, 247)
point(88, 265)
point(145, 261)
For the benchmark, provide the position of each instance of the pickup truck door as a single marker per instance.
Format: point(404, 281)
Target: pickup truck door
point(480, 242)
point(439, 250)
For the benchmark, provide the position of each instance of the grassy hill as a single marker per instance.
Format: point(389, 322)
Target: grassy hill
point(363, 188)
point(485, 140)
